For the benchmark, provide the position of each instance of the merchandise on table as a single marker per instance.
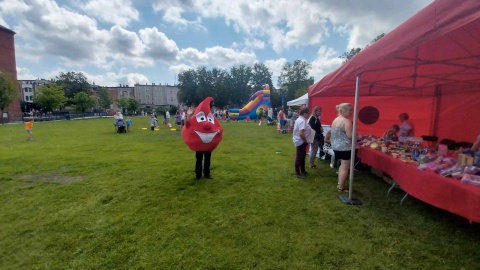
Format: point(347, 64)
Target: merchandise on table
point(459, 164)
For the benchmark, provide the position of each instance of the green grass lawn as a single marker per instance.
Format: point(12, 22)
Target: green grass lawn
point(81, 196)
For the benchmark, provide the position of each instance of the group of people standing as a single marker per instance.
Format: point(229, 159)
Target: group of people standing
point(339, 138)
point(309, 131)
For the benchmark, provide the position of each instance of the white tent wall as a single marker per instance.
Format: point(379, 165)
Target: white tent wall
point(299, 101)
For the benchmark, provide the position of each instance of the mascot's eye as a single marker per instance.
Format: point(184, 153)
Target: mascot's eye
point(210, 118)
point(201, 117)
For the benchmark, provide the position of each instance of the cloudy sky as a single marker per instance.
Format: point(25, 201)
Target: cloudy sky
point(150, 41)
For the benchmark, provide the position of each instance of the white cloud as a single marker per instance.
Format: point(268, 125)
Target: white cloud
point(126, 47)
point(286, 23)
point(24, 74)
point(177, 69)
point(254, 43)
point(119, 12)
point(217, 56)
point(4, 23)
point(13, 6)
point(226, 57)
point(134, 78)
point(78, 41)
point(174, 15)
point(50, 30)
point(275, 66)
point(194, 56)
point(173, 12)
point(327, 60)
point(115, 79)
point(159, 46)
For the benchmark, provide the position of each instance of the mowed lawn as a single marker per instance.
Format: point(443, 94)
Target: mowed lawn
point(81, 196)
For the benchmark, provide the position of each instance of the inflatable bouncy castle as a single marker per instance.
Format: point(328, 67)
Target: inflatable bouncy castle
point(258, 102)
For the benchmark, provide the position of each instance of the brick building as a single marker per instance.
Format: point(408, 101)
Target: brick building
point(118, 92)
point(8, 65)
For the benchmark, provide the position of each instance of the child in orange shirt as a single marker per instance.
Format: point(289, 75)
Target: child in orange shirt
point(28, 128)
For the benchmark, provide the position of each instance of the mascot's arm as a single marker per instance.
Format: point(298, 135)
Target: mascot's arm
point(189, 115)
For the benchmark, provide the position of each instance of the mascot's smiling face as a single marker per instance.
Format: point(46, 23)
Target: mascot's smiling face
point(202, 132)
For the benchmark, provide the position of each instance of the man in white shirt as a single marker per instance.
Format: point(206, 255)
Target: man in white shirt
point(301, 133)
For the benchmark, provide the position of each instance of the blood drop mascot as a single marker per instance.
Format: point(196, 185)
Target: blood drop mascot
point(202, 133)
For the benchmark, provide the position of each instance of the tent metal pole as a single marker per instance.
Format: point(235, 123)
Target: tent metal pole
point(352, 200)
point(354, 136)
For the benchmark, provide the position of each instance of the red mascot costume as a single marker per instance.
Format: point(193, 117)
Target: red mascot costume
point(202, 133)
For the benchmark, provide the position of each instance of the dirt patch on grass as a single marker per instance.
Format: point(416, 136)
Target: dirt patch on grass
point(51, 178)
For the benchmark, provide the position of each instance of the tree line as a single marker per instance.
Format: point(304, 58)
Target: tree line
point(69, 89)
point(234, 87)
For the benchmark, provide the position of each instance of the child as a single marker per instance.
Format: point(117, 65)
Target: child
point(153, 122)
point(129, 123)
point(391, 133)
point(28, 128)
point(178, 119)
point(327, 148)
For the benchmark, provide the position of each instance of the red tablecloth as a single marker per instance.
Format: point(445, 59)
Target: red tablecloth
point(443, 192)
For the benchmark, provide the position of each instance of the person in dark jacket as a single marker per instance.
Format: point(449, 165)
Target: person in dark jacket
point(314, 122)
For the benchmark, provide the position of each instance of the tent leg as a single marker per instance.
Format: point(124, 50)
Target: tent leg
point(403, 199)
point(391, 188)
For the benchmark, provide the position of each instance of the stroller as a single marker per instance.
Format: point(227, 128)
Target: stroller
point(120, 125)
point(270, 121)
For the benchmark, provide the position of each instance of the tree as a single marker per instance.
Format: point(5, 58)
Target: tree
point(240, 84)
point(50, 97)
point(261, 76)
point(349, 55)
point(82, 101)
point(187, 87)
point(8, 91)
point(376, 39)
point(222, 85)
point(122, 102)
point(206, 83)
point(104, 99)
point(132, 105)
point(294, 79)
point(73, 83)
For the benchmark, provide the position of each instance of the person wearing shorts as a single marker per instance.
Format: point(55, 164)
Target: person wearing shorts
point(341, 140)
point(28, 128)
point(178, 119)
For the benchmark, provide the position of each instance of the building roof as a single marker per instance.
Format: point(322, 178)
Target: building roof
point(4, 29)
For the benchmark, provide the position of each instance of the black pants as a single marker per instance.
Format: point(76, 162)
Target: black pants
point(300, 158)
point(206, 165)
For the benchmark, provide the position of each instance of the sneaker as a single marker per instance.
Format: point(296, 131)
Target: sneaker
point(299, 175)
point(208, 177)
point(331, 165)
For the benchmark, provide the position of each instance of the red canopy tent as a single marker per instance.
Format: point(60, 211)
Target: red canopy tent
point(428, 67)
